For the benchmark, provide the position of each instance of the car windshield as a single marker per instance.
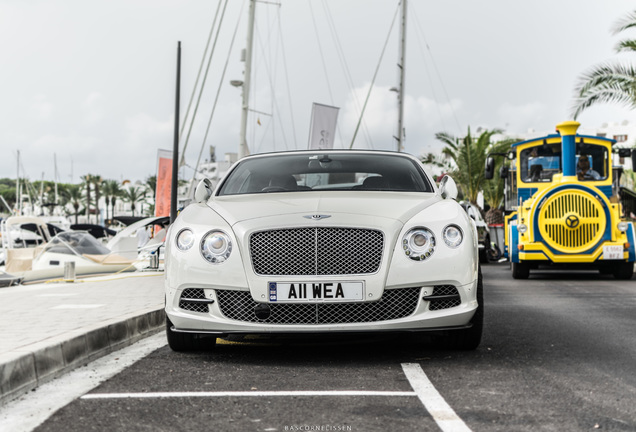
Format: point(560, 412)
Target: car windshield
point(318, 172)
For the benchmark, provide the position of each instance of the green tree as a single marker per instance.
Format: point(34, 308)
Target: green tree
point(469, 156)
point(73, 194)
point(112, 191)
point(611, 82)
point(97, 187)
point(87, 181)
point(133, 195)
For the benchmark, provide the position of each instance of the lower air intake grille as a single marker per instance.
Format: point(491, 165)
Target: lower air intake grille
point(188, 297)
point(450, 294)
point(394, 304)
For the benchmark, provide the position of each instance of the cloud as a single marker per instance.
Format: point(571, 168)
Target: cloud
point(41, 107)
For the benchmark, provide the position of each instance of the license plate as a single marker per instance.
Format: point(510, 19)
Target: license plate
point(613, 252)
point(316, 291)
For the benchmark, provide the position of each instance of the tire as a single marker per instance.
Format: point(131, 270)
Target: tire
point(520, 270)
point(494, 253)
point(623, 270)
point(470, 338)
point(188, 341)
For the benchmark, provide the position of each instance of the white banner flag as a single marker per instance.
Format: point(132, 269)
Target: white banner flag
point(323, 126)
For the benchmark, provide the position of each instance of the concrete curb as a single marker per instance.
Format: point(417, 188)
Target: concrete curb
point(25, 369)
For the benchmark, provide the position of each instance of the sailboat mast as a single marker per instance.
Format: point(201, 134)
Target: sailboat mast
point(243, 149)
point(18, 194)
point(402, 69)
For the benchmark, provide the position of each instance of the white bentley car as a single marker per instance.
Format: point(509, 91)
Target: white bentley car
point(320, 242)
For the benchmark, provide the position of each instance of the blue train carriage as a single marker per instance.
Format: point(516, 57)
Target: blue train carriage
point(563, 205)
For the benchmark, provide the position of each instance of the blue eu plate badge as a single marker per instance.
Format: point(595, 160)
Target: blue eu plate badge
point(272, 291)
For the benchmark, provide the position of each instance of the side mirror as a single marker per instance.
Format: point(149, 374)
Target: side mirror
point(490, 168)
point(634, 159)
point(204, 190)
point(448, 188)
point(623, 152)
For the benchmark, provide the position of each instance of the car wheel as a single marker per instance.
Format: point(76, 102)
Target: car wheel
point(188, 341)
point(520, 270)
point(470, 338)
point(624, 270)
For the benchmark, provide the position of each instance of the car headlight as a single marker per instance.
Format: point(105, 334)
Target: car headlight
point(216, 247)
point(418, 244)
point(185, 239)
point(622, 226)
point(453, 236)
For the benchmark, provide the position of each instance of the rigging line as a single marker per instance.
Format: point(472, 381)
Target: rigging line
point(216, 99)
point(345, 66)
point(272, 87)
point(440, 80)
point(364, 107)
point(420, 36)
point(205, 77)
point(324, 66)
point(196, 82)
point(285, 68)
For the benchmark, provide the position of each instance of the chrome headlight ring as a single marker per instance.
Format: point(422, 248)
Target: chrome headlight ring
point(184, 239)
point(453, 236)
point(216, 246)
point(418, 243)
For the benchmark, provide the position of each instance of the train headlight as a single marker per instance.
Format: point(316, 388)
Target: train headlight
point(522, 228)
point(622, 226)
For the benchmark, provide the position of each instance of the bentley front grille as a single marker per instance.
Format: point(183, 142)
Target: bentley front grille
point(193, 300)
point(394, 304)
point(571, 221)
point(316, 251)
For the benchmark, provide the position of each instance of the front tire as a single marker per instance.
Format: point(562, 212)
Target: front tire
point(470, 338)
point(520, 270)
point(188, 341)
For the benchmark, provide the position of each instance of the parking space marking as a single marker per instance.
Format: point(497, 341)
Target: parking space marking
point(245, 394)
point(442, 413)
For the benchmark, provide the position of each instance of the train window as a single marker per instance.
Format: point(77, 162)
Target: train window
point(540, 163)
point(591, 162)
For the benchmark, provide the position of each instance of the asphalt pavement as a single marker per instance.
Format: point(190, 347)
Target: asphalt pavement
point(47, 329)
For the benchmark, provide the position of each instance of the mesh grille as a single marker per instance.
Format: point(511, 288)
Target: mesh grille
point(394, 304)
point(571, 221)
point(316, 251)
point(193, 294)
point(444, 290)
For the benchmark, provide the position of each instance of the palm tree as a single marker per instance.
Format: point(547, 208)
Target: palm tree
point(469, 155)
point(87, 180)
point(98, 183)
point(612, 81)
point(133, 195)
point(73, 194)
point(111, 191)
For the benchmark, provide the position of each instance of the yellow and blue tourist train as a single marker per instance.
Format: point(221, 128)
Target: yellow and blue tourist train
point(563, 205)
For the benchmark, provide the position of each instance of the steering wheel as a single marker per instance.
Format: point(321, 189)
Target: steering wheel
point(273, 189)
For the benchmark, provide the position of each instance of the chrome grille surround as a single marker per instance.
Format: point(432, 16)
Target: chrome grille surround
point(445, 303)
point(189, 294)
point(394, 304)
point(316, 251)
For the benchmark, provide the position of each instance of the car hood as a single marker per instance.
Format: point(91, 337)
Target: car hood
point(397, 206)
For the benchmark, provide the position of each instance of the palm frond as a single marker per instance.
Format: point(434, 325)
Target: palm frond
point(625, 23)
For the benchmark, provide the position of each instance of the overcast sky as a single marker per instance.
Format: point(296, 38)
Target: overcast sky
point(93, 82)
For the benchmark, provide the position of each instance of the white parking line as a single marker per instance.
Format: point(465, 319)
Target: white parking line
point(245, 394)
point(434, 403)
